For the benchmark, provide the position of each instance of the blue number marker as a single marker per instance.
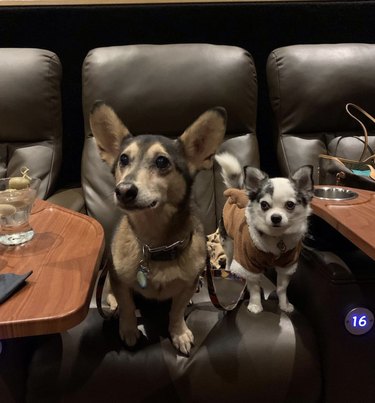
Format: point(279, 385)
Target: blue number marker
point(359, 321)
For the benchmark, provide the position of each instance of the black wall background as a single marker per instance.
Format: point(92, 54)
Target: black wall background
point(71, 31)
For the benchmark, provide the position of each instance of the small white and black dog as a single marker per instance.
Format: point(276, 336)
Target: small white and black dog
point(264, 221)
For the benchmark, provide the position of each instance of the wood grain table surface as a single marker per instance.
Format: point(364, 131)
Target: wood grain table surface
point(355, 219)
point(64, 256)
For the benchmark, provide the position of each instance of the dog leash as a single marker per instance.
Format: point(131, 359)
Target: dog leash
point(99, 290)
point(213, 294)
point(210, 287)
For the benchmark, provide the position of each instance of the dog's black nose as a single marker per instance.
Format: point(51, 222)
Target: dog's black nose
point(126, 192)
point(276, 218)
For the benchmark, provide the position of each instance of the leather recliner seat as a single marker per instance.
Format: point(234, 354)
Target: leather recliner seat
point(30, 136)
point(309, 86)
point(30, 115)
point(162, 90)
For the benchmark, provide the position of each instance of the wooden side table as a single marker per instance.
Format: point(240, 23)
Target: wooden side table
point(355, 219)
point(64, 256)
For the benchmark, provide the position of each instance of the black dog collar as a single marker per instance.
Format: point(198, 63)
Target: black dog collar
point(165, 252)
point(160, 253)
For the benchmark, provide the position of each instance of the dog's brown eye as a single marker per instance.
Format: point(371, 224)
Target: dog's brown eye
point(264, 205)
point(162, 162)
point(290, 205)
point(124, 160)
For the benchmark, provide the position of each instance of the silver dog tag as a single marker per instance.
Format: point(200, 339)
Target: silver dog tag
point(281, 245)
point(142, 276)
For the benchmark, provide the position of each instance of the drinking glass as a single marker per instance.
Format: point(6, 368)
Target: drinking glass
point(17, 196)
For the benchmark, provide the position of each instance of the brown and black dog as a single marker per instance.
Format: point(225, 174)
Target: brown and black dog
point(159, 248)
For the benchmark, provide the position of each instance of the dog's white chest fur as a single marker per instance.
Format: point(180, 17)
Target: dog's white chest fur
point(273, 244)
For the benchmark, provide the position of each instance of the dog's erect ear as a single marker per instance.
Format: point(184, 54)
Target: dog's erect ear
point(303, 179)
point(202, 139)
point(253, 180)
point(108, 131)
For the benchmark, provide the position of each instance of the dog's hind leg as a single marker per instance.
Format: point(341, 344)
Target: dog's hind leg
point(226, 243)
point(283, 279)
point(181, 335)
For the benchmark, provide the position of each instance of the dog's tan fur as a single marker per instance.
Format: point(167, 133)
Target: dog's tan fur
point(172, 218)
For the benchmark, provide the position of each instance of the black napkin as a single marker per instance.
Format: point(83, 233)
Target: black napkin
point(10, 283)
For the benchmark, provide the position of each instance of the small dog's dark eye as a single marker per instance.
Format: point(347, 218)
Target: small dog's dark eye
point(264, 205)
point(290, 205)
point(124, 160)
point(162, 162)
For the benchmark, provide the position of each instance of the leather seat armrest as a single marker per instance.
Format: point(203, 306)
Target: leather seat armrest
point(69, 198)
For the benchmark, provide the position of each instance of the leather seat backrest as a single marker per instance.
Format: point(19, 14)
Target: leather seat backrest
point(162, 89)
point(309, 86)
point(30, 115)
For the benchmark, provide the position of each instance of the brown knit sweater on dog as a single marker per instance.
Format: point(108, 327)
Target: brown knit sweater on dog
point(244, 250)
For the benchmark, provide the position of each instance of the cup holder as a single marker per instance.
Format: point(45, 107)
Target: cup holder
point(334, 193)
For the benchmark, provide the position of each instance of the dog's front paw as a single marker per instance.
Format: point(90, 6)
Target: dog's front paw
point(112, 302)
point(183, 342)
point(130, 336)
point(287, 307)
point(255, 308)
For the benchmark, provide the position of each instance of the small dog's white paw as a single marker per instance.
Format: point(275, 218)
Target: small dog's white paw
point(184, 341)
point(130, 336)
point(255, 308)
point(288, 307)
point(112, 302)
